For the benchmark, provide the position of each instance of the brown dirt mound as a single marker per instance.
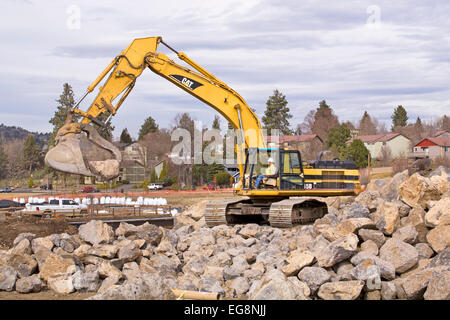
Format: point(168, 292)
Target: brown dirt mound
point(11, 227)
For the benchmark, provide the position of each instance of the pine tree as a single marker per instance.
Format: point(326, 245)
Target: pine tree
point(338, 137)
point(324, 120)
point(216, 123)
point(399, 118)
point(148, 126)
point(366, 125)
point(358, 152)
point(66, 101)
point(445, 123)
point(31, 154)
point(3, 162)
point(125, 136)
point(277, 113)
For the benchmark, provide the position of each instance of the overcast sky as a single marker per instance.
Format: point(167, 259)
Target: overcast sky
point(357, 55)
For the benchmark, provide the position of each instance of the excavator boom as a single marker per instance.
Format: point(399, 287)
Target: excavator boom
point(121, 75)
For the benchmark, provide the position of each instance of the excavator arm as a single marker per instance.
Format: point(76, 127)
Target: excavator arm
point(81, 150)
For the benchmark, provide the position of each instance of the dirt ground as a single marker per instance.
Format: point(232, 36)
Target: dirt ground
point(44, 295)
point(11, 227)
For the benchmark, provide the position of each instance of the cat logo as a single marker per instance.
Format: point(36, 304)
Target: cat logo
point(187, 82)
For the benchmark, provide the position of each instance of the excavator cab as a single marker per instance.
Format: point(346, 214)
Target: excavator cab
point(273, 168)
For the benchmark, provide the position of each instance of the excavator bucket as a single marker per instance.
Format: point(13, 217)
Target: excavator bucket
point(81, 150)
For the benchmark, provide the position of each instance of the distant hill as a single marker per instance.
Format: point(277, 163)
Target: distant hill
point(8, 133)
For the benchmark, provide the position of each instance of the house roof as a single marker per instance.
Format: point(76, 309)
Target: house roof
point(442, 142)
point(297, 138)
point(127, 163)
point(440, 132)
point(377, 137)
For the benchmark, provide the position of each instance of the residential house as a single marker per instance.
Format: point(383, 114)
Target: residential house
point(132, 171)
point(432, 148)
point(396, 144)
point(309, 145)
point(133, 167)
point(442, 134)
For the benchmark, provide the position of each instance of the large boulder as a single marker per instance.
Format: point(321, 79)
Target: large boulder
point(338, 250)
point(439, 214)
point(96, 232)
point(8, 277)
point(86, 281)
point(414, 286)
point(275, 286)
point(441, 178)
point(439, 238)
point(402, 255)
point(389, 192)
point(387, 217)
point(146, 287)
point(61, 284)
point(373, 235)
point(418, 190)
point(438, 287)
point(56, 265)
point(296, 261)
point(314, 277)
point(29, 284)
point(341, 290)
point(108, 251)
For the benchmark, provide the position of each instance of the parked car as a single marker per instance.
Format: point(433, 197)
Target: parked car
point(46, 187)
point(56, 206)
point(6, 190)
point(155, 186)
point(89, 190)
point(210, 186)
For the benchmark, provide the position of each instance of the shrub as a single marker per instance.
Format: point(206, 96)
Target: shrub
point(30, 183)
point(175, 186)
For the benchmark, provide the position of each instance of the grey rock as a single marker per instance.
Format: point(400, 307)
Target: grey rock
point(406, 234)
point(8, 277)
point(86, 281)
point(28, 235)
point(402, 255)
point(388, 291)
point(424, 250)
point(438, 287)
point(314, 277)
point(375, 235)
point(211, 284)
point(96, 232)
point(338, 250)
point(129, 252)
point(29, 284)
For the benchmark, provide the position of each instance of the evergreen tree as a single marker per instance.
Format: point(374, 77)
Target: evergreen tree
point(445, 123)
point(399, 118)
point(366, 125)
point(216, 123)
point(358, 152)
point(65, 102)
point(418, 126)
point(148, 126)
point(125, 136)
point(277, 113)
point(31, 154)
point(3, 162)
point(338, 137)
point(106, 133)
point(324, 120)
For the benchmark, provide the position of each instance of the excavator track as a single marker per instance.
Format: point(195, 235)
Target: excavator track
point(282, 214)
point(216, 212)
point(291, 212)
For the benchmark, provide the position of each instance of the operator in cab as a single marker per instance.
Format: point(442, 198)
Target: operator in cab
point(270, 171)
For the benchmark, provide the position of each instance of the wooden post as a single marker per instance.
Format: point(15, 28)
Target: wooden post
point(196, 295)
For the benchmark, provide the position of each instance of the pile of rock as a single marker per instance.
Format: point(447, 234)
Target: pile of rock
point(390, 242)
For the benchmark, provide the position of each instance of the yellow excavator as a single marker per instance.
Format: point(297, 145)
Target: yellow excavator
point(286, 195)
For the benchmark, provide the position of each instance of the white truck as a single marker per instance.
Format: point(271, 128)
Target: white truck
point(155, 186)
point(56, 206)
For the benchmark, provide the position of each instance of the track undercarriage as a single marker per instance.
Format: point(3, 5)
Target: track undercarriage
point(282, 213)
